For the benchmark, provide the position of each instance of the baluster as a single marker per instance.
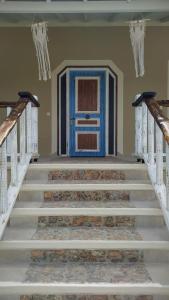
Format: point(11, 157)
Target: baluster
point(35, 130)
point(14, 157)
point(159, 156)
point(3, 179)
point(138, 130)
point(150, 139)
point(167, 176)
point(22, 138)
point(9, 136)
point(144, 128)
point(29, 127)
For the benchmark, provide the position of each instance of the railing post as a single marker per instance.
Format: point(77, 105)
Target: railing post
point(3, 179)
point(138, 131)
point(167, 176)
point(150, 139)
point(29, 127)
point(22, 138)
point(14, 156)
point(159, 156)
point(144, 128)
point(8, 145)
point(35, 130)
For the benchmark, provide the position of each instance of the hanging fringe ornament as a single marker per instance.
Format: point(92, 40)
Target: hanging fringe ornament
point(137, 35)
point(40, 38)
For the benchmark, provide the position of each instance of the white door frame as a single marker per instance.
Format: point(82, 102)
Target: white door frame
point(92, 63)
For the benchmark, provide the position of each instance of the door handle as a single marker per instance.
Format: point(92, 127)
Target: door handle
point(72, 120)
point(87, 116)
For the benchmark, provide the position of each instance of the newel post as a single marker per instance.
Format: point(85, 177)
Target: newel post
point(35, 130)
point(3, 179)
point(159, 156)
point(167, 176)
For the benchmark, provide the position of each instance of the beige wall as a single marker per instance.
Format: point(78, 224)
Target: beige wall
point(18, 66)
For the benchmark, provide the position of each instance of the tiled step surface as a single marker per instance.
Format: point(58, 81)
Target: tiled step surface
point(88, 297)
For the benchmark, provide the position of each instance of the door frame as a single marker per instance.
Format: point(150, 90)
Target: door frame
point(99, 74)
point(55, 96)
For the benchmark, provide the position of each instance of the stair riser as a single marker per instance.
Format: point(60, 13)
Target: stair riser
point(99, 196)
point(89, 297)
point(87, 256)
point(87, 174)
point(87, 221)
point(96, 221)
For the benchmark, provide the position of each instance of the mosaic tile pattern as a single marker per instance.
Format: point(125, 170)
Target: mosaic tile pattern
point(87, 196)
point(85, 297)
point(83, 203)
point(40, 256)
point(78, 272)
point(86, 233)
point(114, 221)
point(86, 175)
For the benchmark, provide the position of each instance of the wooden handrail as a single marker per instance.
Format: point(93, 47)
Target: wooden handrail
point(154, 107)
point(4, 104)
point(22, 94)
point(15, 114)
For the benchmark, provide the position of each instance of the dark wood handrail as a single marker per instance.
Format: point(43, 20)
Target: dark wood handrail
point(4, 104)
point(10, 121)
point(22, 94)
point(153, 106)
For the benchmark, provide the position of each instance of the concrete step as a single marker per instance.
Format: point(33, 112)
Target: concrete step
point(87, 211)
point(97, 278)
point(114, 198)
point(87, 186)
point(39, 289)
point(87, 171)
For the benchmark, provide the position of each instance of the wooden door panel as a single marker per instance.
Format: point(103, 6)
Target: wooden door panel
point(87, 95)
point(87, 141)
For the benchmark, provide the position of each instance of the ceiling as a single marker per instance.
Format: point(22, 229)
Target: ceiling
point(83, 12)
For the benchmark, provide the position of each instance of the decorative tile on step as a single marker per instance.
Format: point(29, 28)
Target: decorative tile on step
point(74, 221)
point(88, 272)
point(87, 196)
point(86, 175)
point(49, 256)
point(83, 204)
point(86, 233)
point(85, 297)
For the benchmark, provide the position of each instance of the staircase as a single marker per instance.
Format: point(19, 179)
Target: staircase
point(85, 231)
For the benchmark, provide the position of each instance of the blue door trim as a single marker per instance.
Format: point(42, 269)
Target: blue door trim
point(100, 115)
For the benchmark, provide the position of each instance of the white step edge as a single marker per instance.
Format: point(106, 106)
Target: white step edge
point(86, 186)
point(42, 288)
point(82, 244)
point(84, 166)
point(22, 212)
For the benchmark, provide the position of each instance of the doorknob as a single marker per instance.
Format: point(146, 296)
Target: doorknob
point(72, 121)
point(87, 116)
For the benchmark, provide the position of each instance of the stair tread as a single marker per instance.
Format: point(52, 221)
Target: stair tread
point(144, 203)
point(86, 211)
point(75, 181)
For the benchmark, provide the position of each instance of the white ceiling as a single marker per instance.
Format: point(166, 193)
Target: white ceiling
point(83, 12)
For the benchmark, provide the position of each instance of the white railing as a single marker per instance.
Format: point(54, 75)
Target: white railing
point(152, 148)
point(16, 151)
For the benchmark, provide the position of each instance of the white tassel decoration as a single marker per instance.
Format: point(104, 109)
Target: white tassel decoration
point(137, 35)
point(40, 38)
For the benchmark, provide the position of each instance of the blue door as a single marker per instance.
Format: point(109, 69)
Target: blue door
point(87, 113)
